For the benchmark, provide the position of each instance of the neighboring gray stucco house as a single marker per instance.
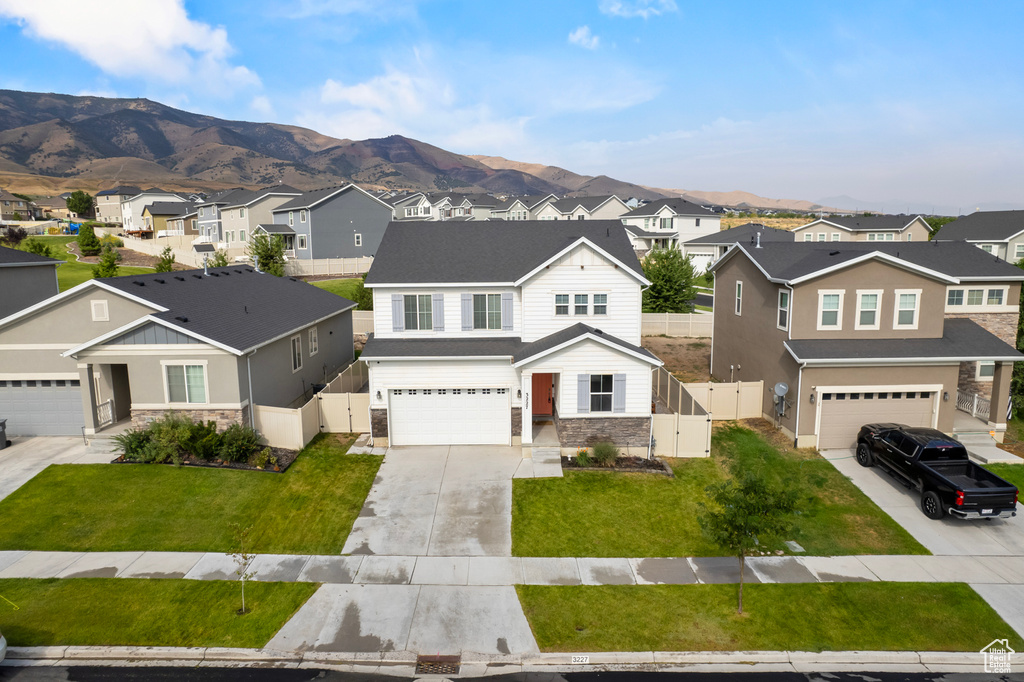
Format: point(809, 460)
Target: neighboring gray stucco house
point(25, 279)
point(207, 345)
point(336, 222)
point(1000, 233)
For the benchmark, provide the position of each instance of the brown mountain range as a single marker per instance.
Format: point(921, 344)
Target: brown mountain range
point(50, 143)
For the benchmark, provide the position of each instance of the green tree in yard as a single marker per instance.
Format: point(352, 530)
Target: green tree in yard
point(13, 236)
point(362, 295)
point(935, 222)
point(38, 246)
point(671, 277)
point(166, 262)
point(88, 244)
point(79, 202)
point(267, 252)
point(107, 266)
point(219, 260)
point(744, 513)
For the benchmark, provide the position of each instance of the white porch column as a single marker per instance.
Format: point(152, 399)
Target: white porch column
point(527, 407)
point(88, 386)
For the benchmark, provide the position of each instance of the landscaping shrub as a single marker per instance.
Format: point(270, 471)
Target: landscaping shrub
point(115, 242)
point(201, 440)
point(605, 454)
point(88, 244)
point(263, 459)
point(583, 457)
point(133, 443)
point(37, 246)
point(238, 443)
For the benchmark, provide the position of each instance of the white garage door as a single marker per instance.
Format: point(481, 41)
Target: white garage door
point(842, 414)
point(42, 407)
point(701, 261)
point(450, 416)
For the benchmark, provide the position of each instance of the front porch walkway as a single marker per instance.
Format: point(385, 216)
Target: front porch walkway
point(965, 423)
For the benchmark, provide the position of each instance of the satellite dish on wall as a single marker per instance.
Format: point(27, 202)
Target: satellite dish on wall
point(781, 389)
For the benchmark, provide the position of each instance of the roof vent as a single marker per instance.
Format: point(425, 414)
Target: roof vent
point(182, 319)
point(293, 279)
point(198, 276)
point(598, 331)
point(214, 274)
point(833, 253)
point(138, 283)
point(180, 279)
point(159, 281)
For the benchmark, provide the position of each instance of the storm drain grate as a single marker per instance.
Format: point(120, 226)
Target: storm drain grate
point(438, 665)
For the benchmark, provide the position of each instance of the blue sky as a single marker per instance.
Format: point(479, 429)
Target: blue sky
point(908, 103)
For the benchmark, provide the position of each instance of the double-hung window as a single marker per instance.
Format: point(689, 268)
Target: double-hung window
point(808, 237)
point(486, 311)
point(600, 392)
point(314, 342)
point(359, 239)
point(666, 223)
point(907, 305)
point(291, 218)
point(1018, 251)
point(867, 309)
point(302, 216)
point(185, 383)
point(600, 304)
point(296, 353)
point(418, 313)
point(581, 304)
point(830, 310)
point(561, 304)
point(783, 319)
point(739, 298)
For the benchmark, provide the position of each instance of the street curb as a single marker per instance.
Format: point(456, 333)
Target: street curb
point(403, 663)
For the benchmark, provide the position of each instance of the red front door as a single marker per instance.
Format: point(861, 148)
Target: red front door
point(543, 394)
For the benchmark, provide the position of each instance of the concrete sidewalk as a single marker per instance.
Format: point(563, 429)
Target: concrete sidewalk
point(508, 571)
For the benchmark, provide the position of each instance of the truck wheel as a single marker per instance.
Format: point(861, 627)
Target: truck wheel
point(864, 456)
point(931, 505)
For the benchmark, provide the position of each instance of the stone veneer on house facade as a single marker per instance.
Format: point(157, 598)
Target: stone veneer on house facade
point(517, 421)
point(1003, 325)
point(379, 423)
point(634, 432)
point(222, 418)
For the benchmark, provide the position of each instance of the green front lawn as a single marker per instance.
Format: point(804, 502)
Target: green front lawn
point(113, 507)
point(648, 515)
point(73, 273)
point(1014, 473)
point(340, 287)
point(130, 612)
point(777, 617)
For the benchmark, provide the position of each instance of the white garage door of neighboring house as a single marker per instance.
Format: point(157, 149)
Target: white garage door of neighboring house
point(701, 261)
point(42, 407)
point(450, 416)
point(843, 413)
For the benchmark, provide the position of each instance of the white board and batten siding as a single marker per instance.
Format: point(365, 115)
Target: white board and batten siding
point(449, 300)
point(582, 271)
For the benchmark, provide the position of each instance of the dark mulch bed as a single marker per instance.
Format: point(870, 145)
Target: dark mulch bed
point(628, 464)
point(284, 460)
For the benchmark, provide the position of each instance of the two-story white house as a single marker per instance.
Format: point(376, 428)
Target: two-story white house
point(473, 345)
point(671, 223)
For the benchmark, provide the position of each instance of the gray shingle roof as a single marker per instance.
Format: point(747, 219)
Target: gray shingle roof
point(426, 252)
point(250, 308)
point(786, 261)
point(569, 204)
point(962, 339)
point(10, 258)
point(203, 248)
point(743, 234)
point(984, 226)
point(678, 205)
point(169, 208)
point(636, 231)
point(440, 348)
point(126, 190)
point(529, 200)
point(860, 223)
point(275, 228)
point(550, 341)
point(245, 197)
point(309, 198)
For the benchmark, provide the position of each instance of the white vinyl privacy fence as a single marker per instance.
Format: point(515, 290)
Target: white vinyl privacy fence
point(362, 321)
point(686, 432)
point(338, 408)
point(694, 325)
point(736, 400)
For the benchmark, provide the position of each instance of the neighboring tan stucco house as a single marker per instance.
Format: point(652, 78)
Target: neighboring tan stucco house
point(108, 203)
point(11, 205)
point(1000, 233)
point(521, 208)
point(606, 207)
point(207, 345)
point(864, 332)
point(535, 324)
point(240, 215)
point(879, 228)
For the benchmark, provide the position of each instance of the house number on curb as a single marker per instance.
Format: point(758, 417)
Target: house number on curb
point(580, 660)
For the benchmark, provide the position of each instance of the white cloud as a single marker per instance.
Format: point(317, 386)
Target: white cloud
point(155, 40)
point(261, 105)
point(375, 8)
point(584, 38)
point(637, 8)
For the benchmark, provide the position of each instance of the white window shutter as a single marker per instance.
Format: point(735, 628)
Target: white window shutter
point(619, 393)
point(397, 313)
point(438, 312)
point(583, 394)
point(467, 312)
point(506, 311)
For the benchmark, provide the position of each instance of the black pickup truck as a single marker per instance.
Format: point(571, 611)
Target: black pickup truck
point(939, 467)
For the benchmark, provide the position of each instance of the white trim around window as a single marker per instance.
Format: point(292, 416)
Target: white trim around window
point(984, 371)
point(295, 348)
point(191, 390)
point(358, 239)
point(314, 342)
point(902, 299)
point(830, 301)
point(782, 316)
point(808, 237)
point(869, 307)
point(302, 241)
point(738, 309)
point(1018, 251)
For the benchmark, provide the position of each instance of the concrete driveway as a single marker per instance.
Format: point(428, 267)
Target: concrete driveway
point(946, 537)
point(26, 457)
point(439, 501)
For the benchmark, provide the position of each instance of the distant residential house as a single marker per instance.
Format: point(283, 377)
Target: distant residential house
point(206, 345)
point(522, 208)
point(705, 251)
point(335, 222)
point(413, 206)
point(583, 208)
point(53, 207)
point(478, 206)
point(208, 218)
point(131, 210)
point(1000, 233)
point(156, 216)
point(183, 224)
point(108, 203)
point(10, 204)
point(669, 223)
point(25, 279)
point(879, 228)
point(242, 212)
